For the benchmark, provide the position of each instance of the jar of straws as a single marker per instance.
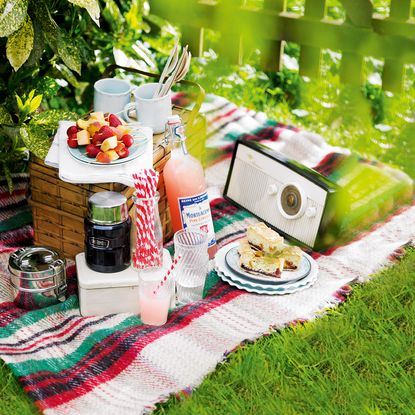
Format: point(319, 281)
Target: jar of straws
point(147, 232)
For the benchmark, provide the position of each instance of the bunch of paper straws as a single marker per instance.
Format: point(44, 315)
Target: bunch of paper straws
point(147, 252)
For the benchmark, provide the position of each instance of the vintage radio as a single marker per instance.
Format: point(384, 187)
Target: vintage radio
point(304, 205)
point(293, 199)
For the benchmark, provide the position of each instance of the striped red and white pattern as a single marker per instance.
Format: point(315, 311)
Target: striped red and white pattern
point(168, 273)
point(147, 253)
point(70, 364)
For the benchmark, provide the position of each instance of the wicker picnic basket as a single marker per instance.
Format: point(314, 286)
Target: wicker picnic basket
point(59, 208)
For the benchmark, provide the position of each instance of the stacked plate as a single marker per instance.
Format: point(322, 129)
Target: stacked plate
point(228, 269)
point(136, 150)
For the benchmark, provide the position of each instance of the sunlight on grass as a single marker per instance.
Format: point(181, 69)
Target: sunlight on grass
point(368, 121)
point(376, 124)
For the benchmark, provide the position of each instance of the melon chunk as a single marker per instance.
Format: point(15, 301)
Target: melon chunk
point(112, 154)
point(83, 124)
point(99, 116)
point(83, 137)
point(124, 129)
point(109, 143)
point(103, 157)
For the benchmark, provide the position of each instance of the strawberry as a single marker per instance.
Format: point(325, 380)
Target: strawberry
point(122, 150)
point(91, 150)
point(72, 142)
point(106, 131)
point(127, 139)
point(97, 139)
point(114, 120)
point(73, 129)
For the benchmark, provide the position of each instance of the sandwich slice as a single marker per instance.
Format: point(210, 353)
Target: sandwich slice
point(257, 262)
point(292, 257)
point(264, 239)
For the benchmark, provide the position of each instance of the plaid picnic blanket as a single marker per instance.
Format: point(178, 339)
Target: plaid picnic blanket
point(69, 364)
point(15, 212)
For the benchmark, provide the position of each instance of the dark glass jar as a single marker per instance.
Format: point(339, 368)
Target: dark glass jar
point(107, 233)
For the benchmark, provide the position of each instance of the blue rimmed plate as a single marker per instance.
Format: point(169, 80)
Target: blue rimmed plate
point(136, 150)
point(281, 290)
point(227, 264)
point(232, 260)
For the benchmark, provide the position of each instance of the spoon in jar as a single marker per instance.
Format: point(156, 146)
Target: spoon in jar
point(168, 67)
point(180, 71)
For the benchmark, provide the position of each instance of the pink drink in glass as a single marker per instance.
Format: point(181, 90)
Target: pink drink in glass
point(154, 302)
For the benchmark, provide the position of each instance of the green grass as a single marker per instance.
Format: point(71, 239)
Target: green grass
point(342, 114)
point(357, 359)
point(13, 400)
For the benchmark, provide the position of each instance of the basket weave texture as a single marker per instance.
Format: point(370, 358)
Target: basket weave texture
point(59, 208)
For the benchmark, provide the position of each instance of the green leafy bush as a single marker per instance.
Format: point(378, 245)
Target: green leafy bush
point(32, 44)
point(28, 130)
point(59, 48)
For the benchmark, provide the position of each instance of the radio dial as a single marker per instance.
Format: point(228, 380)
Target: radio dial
point(272, 189)
point(311, 212)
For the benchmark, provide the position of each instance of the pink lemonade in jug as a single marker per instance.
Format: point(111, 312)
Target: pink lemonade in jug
point(186, 187)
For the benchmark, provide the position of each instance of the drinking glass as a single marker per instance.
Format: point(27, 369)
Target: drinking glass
point(141, 250)
point(158, 273)
point(191, 269)
point(154, 301)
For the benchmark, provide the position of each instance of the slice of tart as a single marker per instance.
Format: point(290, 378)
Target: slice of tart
point(292, 257)
point(256, 262)
point(265, 239)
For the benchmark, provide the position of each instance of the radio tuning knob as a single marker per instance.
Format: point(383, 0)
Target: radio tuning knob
point(311, 212)
point(272, 189)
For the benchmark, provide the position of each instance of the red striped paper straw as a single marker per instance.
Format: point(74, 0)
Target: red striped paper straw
point(147, 251)
point(164, 279)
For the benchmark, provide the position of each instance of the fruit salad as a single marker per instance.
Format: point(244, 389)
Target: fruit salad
point(105, 137)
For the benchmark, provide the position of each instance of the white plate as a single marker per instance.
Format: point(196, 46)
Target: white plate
point(282, 290)
point(308, 268)
point(232, 260)
point(136, 150)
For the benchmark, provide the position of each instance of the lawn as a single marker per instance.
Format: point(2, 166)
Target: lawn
point(358, 358)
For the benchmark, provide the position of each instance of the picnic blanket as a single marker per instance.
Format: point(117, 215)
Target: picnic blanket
point(69, 364)
point(15, 212)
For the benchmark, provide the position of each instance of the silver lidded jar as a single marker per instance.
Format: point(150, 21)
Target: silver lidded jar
point(37, 277)
point(107, 232)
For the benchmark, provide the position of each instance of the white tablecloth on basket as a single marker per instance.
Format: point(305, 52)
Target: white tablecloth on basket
point(74, 171)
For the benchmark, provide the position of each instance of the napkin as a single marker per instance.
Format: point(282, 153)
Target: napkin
point(74, 171)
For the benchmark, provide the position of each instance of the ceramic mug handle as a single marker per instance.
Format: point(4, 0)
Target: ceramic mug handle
point(126, 113)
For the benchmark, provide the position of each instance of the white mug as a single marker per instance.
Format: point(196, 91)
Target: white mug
point(112, 95)
point(151, 112)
